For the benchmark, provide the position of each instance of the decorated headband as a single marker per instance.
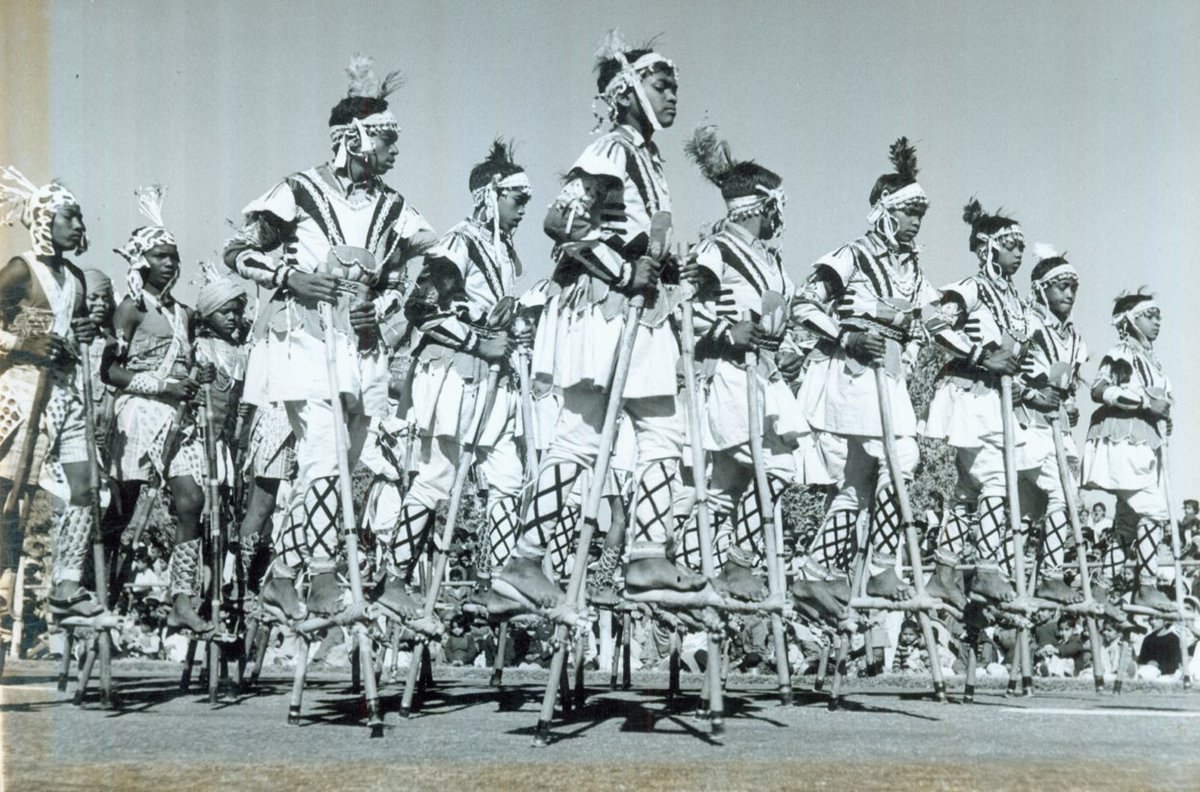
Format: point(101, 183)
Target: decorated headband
point(134, 250)
point(357, 135)
point(904, 159)
point(628, 77)
point(1133, 312)
point(1061, 271)
point(751, 205)
point(36, 207)
point(485, 198)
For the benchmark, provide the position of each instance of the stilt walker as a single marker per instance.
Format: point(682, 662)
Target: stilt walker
point(863, 301)
point(1125, 455)
point(43, 421)
point(463, 304)
point(346, 239)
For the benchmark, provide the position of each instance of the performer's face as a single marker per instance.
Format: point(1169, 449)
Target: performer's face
point(1060, 297)
point(662, 92)
point(510, 209)
point(163, 262)
point(1149, 323)
point(67, 228)
point(226, 320)
point(908, 223)
point(383, 157)
point(101, 305)
point(1008, 255)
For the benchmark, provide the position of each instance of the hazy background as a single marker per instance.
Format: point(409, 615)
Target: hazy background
point(1078, 117)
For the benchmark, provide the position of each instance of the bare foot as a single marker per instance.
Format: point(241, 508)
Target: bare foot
point(740, 582)
point(991, 584)
point(279, 595)
point(1056, 589)
point(887, 584)
point(602, 596)
point(497, 606)
point(822, 600)
point(184, 616)
point(525, 576)
point(68, 598)
point(656, 574)
point(946, 584)
point(324, 594)
point(392, 595)
point(1149, 596)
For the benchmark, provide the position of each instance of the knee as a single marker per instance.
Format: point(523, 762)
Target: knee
point(189, 500)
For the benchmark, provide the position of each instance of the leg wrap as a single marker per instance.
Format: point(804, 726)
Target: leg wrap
point(1112, 563)
point(1149, 533)
point(183, 570)
point(956, 528)
point(321, 508)
point(722, 539)
point(247, 551)
point(992, 528)
point(548, 509)
point(411, 534)
point(288, 548)
point(503, 527)
point(748, 522)
point(72, 535)
point(653, 518)
point(564, 541)
point(834, 544)
point(1054, 542)
point(886, 527)
point(606, 567)
point(687, 532)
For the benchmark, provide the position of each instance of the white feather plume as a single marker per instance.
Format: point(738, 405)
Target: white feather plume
point(611, 46)
point(15, 195)
point(1043, 251)
point(150, 202)
point(364, 81)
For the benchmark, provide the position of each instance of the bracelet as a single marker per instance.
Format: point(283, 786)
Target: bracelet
point(145, 385)
point(976, 355)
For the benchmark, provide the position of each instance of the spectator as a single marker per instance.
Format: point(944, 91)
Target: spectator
point(1100, 522)
point(459, 648)
point(1159, 655)
point(1189, 529)
point(909, 657)
point(1066, 655)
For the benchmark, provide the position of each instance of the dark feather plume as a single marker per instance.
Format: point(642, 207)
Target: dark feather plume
point(710, 153)
point(972, 211)
point(904, 158)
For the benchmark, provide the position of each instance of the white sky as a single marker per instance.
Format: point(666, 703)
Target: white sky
point(1080, 118)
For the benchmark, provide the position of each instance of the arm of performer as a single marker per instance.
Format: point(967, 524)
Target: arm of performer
point(814, 309)
point(41, 349)
point(269, 221)
point(114, 364)
point(717, 322)
point(1114, 387)
point(577, 221)
point(946, 324)
point(438, 307)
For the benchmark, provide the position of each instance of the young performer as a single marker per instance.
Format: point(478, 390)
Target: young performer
point(1050, 373)
point(102, 306)
point(153, 365)
point(340, 229)
point(471, 269)
point(43, 316)
point(737, 266)
point(600, 223)
point(860, 300)
point(1121, 455)
point(983, 325)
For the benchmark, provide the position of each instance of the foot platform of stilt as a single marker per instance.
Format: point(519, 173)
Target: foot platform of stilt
point(939, 692)
point(968, 694)
point(293, 716)
point(541, 734)
point(929, 604)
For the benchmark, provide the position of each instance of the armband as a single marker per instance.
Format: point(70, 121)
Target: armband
point(976, 356)
point(1119, 396)
point(144, 384)
point(625, 278)
point(8, 341)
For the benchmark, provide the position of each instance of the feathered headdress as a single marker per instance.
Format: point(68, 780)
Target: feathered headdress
point(1128, 306)
point(35, 207)
point(748, 188)
point(496, 174)
point(364, 112)
point(990, 230)
point(150, 203)
point(1049, 267)
point(628, 76)
point(898, 190)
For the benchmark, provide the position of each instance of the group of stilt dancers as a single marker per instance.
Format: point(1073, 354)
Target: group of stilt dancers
point(677, 389)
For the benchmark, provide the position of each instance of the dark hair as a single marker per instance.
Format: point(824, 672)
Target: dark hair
point(498, 162)
point(1044, 266)
point(353, 107)
point(983, 223)
point(608, 68)
point(904, 161)
point(1126, 301)
point(744, 178)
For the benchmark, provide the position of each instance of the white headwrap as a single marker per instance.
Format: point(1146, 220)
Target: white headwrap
point(628, 77)
point(485, 197)
point(993, 242)
point(36, 207)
